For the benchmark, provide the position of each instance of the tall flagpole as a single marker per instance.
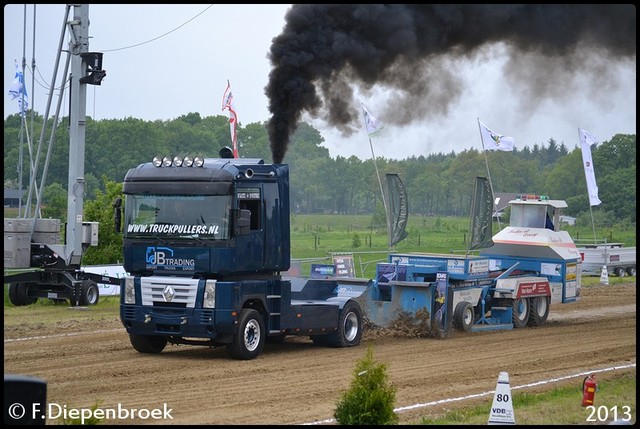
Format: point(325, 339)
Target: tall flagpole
point(493, 195)
point(375, 164)
point(384, 201)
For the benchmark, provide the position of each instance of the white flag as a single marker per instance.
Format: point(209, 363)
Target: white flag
point(19, 91)
point(227, 103)
point(373, 125)
point(586, 140)
point(494, 141)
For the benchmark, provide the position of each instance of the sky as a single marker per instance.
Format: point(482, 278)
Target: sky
point(165, 61)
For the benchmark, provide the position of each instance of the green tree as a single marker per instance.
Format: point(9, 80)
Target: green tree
point(109, 249)
point(370, 398)
point(54, 202)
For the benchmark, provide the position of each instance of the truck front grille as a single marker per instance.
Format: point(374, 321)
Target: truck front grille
point(179, 291)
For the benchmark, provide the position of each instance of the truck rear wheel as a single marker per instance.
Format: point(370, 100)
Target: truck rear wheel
point(521, 311)
point(350, 326)
point(349, 331)
point(463, 316)
point(250, 336)
point(19, 294)
point(539, 310)
point(148, 343)
point(631, 271)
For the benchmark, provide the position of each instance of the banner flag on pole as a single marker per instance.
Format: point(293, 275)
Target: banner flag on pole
point(398, 208)
point(227, 103)
point(494, 141)
point(19, 90)
point(586, 140)
point(481, 215)
point(373, 125)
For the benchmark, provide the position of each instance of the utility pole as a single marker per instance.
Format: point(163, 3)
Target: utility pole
point(78, 45)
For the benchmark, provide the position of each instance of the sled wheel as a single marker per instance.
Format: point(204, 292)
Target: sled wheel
point(539, 310)
point(520, 316)
point(463, 316)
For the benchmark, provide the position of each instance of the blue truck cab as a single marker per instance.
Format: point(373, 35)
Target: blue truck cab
point(206, 242)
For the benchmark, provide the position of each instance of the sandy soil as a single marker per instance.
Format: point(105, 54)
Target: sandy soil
point(295, 382)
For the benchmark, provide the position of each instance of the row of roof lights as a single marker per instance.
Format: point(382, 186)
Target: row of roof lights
point(178, 161)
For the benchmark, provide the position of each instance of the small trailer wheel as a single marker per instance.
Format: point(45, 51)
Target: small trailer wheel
point(19, 294)
point(90, 294)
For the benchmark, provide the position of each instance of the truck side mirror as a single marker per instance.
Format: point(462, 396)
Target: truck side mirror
point(117, 215)
point(242, 221)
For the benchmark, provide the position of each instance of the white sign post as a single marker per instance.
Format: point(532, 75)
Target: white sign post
point(604, 276)
point(502, 407)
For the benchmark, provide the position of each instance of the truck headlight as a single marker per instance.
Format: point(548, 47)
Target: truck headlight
point(209, 294)
point(129, 290)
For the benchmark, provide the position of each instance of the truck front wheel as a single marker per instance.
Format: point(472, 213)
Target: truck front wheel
point(148, 343)
point(250, 336)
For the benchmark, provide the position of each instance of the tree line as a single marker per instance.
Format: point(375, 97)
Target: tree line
point(439, 184)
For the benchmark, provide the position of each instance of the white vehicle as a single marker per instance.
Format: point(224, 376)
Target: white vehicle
point(618, 259)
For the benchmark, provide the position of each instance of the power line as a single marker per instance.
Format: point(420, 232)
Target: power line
point(162, 35)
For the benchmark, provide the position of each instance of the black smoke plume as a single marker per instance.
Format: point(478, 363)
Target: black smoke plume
point(328, 51)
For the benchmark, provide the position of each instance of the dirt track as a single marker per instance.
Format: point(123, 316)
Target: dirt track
point(296, 382)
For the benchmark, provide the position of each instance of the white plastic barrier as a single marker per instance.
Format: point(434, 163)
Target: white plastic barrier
point(107, 289)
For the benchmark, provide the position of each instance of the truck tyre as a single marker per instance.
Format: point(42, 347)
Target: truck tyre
point(539, 310)
point(520, 312)
point(620, 272)
point(463, 316)
point(249, 339)
point(631, 271)
point(349, 330)
point(89, 293)
point(19, 294)
point(350, 325)
point(148, 343)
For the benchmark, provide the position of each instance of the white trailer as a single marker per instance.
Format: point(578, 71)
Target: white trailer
point(618, 259)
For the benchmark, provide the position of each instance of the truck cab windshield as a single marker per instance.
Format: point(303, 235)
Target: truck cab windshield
point(177, 216)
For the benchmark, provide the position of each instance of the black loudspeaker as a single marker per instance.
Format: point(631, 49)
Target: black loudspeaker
point(25, 400)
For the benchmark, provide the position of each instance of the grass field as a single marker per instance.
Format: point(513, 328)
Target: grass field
point(314, 238)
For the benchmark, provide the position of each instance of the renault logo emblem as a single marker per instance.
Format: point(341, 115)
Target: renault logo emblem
point(168, 293)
